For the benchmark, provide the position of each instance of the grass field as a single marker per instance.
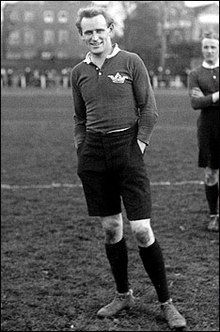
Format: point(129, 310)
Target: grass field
point(55, 275)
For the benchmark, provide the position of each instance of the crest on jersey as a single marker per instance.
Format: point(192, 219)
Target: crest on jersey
point(118, 78)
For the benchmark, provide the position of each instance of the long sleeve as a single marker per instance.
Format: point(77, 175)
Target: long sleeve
point(79, 113)
point(146, 102)
point(201, 102)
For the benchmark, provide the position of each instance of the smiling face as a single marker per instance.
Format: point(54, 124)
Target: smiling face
point(210, 50)
point(97, 35)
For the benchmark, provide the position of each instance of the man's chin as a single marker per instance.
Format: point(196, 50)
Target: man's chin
point(210, 61)
point(96, 52)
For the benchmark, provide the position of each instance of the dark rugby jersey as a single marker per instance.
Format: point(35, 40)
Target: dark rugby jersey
point(113, 97)
point(207, 80)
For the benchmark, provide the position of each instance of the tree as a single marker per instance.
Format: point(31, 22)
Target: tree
point(141, 32)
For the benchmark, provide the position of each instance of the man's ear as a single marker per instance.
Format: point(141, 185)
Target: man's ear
point(111, 27)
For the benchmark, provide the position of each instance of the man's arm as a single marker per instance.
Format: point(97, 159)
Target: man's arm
point(79, 114)
point(146, 102)
point(197, 98)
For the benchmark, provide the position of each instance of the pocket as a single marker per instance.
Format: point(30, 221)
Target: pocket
point(135, 151)
point(139, 149)
point(136, 157)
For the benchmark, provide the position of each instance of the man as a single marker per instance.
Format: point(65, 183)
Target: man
point(204, 95)
point(115, 112)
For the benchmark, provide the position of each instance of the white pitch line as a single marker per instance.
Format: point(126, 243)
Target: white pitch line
point(78, 185)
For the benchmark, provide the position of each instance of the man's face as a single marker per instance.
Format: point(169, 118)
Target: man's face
point(96, 34)
point(210, 50)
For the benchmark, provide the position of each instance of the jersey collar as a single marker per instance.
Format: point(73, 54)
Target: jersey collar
point(206, 65)
point(115, 51)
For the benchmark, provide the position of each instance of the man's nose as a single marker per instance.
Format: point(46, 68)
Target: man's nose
point(95, 35)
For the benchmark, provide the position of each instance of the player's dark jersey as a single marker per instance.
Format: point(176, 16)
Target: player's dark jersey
point(207, 80)
point(113, 97)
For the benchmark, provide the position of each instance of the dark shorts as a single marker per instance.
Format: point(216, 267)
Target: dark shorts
point(208, 142)
point(112, 169)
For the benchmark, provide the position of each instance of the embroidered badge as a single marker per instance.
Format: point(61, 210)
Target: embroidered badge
point(118, 78)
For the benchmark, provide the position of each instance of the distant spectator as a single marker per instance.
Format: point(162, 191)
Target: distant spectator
point(160, 77)
point(15, 79)
point(3, 77)
point(35, 82)
point(66, 77)
point(9, 77)
point(167, 78)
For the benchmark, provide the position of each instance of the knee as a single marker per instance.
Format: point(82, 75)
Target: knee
point(143, 232)
point(113, 228)
point(211, 176)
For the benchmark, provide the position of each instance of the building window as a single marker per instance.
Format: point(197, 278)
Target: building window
point(29, 54)
point(48, 16)
point(62, 54)
point(29, 37)
point(63, 16)
point(13, 55)
point(48, 37)
point(46, 55)
point(14, 15)
point(28, 16)
point(63, 36)
point(176, 37)
point(14, 38)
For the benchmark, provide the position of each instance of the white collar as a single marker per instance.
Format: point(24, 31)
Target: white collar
point(115, 51)
point(206, 65)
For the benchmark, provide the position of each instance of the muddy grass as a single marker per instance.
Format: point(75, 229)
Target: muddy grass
point(55, 275)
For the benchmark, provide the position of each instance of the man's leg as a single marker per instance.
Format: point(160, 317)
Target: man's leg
point(212, 194)
point(152, 258)
point(116, 251)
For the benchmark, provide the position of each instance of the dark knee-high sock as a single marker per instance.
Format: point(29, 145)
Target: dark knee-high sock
point(118, 259)
point(153, 262)
point(212, 197)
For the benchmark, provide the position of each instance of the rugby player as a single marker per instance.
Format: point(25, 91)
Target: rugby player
point(115, 113)
point(203, 87)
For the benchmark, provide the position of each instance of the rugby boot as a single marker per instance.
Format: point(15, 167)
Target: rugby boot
point(121, 301)
point(213, 225)
point(174, 319)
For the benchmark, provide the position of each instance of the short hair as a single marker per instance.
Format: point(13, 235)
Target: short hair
point(90, 12)
point(210, 35)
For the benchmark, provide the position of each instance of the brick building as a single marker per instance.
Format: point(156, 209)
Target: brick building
point(41, 34)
